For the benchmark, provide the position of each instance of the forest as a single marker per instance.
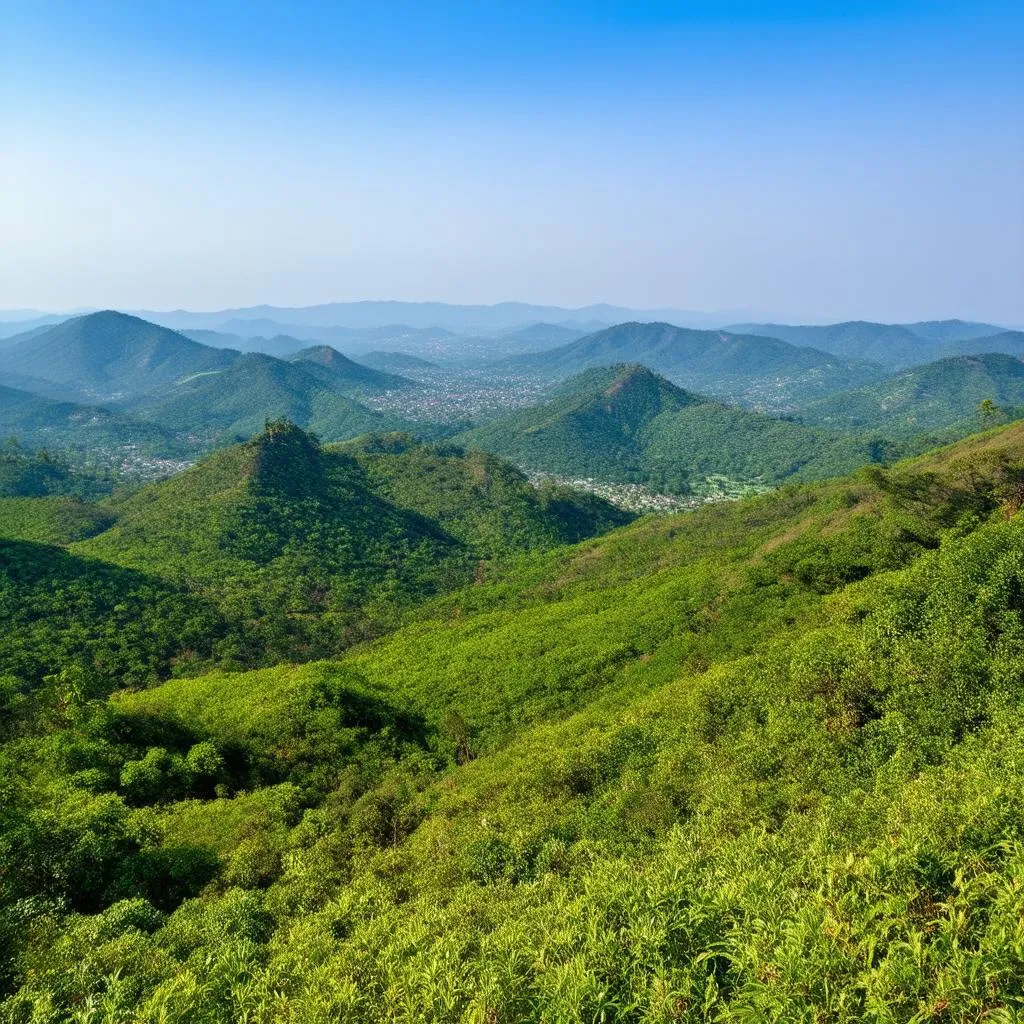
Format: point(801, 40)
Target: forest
point(379, 731)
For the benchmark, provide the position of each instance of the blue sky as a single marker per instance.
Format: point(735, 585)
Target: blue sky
point(799, 160)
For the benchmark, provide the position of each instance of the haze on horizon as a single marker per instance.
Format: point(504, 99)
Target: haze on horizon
point(803, 161)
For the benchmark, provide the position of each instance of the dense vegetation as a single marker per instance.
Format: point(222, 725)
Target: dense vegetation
point(233, 404)
point(760, 762)
point(308, 549)
point(947, 394)
point(628, 424)
point(25, 474)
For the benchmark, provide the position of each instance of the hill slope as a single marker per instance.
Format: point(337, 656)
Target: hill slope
point(762, 762)
point(926, 398)
point(482, 500)
point(111, 356)
point(758, 370)
point(235, 403)
point(630, 425)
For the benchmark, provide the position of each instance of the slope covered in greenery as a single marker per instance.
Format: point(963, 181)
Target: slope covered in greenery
point(628, 424)
point(235, 403)
point(762, 371)
point(944, 394)
point(482, 500)
point(762, 762)
point(315, 546)
point(36, 475)
point(111, 355)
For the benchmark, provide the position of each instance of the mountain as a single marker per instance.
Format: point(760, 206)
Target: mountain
point(109, 355)
point(764, 372)
point(627, 424)
point(332, 368)
point(939, 395)
point(943, 331)
point(892, 345)
point(482, 500)
point(235, 403)
point(296, 529)
point(352, 338)
point(22, 327)
point(1006, 342)
point(761, 762)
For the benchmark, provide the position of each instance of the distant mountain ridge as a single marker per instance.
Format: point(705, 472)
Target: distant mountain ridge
point(892, 345)
point(461, 318)
point(761, 371)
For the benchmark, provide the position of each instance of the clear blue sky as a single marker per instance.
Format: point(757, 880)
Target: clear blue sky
point(804, 160)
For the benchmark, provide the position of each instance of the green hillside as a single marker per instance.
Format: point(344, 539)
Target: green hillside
point(235, 403)
point(482, 500)
point(940, 395)
point(759, 762)
point(314, 546)
point(760, 371)
point(111, 355)
point(630, 425)
point(25, 475)
point(332, 368)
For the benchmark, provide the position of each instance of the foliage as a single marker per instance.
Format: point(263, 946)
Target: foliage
point(759, 762)
point(627, 424)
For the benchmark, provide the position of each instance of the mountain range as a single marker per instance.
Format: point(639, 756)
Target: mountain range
point(761, 371)
point(896, 345)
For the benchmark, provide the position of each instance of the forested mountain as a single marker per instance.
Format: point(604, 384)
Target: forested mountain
point(759, 762)
point(892, 345)
point(331, 367)
point(478, 498)
point(234, 403)
point(762, 371)
point(110, 355)
point(320, 542)
point(625, 423)
point(944, 394)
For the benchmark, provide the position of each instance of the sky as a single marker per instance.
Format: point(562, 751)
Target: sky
point(800, 161)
